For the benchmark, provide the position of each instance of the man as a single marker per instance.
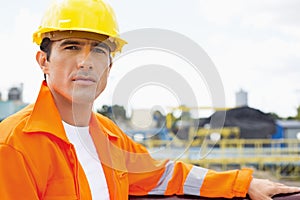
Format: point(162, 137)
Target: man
point(42, 155)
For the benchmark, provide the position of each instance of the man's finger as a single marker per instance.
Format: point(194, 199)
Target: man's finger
point(286, 189)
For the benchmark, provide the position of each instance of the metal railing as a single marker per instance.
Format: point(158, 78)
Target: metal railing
point(279, 155)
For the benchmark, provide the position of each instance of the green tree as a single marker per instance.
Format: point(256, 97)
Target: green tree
point(114, 112)
point(106, 111)
point(274, 116)
point(298, 113)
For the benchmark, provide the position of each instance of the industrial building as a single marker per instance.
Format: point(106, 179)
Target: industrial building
point(13, 103)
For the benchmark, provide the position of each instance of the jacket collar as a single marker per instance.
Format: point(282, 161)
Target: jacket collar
point(46, 118)
point(96, 123)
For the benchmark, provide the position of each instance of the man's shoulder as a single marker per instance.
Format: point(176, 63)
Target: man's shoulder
point(105, 121)
point(14, 123)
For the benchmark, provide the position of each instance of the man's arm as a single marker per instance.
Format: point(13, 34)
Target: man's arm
point(178, 178)
point(16, 181)
point(148, 176)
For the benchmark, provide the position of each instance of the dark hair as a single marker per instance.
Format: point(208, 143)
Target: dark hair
point(46, 47)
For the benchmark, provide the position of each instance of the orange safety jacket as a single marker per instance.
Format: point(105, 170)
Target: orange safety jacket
point(37, 161)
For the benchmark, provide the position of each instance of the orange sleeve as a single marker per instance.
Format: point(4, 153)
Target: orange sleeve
point(148, 176)
point(143, 171)
point(16, 181)
point(229, 184)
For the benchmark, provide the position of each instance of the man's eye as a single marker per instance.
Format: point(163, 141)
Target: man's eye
point(98, 50)
point(71, 48)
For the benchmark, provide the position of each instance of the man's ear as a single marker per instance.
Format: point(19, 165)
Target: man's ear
point(109, 68)
point(41, 58)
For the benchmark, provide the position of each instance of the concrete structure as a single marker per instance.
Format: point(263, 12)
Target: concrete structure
point(241, 98)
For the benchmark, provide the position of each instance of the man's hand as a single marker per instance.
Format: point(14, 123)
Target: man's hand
point(263, 189)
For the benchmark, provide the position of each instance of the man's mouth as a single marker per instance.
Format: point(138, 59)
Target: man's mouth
point(83, 80)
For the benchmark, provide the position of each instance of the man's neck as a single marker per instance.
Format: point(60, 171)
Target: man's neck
point(75, 114)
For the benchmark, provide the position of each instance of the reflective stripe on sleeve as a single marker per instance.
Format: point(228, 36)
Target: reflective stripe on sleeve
point(194, 181)
point(164, 180)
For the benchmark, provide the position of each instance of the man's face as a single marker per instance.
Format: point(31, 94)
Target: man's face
point(77, 69)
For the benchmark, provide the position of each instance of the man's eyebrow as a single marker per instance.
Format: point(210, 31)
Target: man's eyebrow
point(68, 42)
point(93, 44)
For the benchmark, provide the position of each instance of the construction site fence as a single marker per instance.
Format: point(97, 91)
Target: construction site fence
point(281, 156)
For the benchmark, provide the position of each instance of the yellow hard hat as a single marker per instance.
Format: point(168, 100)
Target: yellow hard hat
point(85, 18)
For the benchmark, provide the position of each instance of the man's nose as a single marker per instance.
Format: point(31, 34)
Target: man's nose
point(85, 59)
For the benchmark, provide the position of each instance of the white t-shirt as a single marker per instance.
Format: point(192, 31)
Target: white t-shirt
point(87, 156)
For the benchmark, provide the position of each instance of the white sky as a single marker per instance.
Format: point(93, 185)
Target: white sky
point(254, 44)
